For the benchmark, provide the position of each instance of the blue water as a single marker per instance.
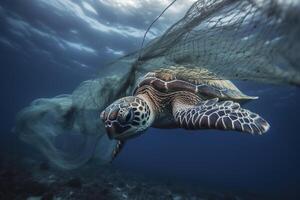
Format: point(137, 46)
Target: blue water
point(267, 164)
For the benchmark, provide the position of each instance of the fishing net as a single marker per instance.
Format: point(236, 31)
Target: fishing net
point(246, 40)
point(236, 39)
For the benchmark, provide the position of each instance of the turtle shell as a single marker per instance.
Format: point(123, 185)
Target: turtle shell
point(196, 80)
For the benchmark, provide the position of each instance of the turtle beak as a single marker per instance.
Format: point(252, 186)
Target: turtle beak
point(110, 122)
point(108, 125)
point(110, 128)
point(115, 130)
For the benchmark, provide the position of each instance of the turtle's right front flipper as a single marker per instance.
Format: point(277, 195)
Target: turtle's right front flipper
point(223, 115)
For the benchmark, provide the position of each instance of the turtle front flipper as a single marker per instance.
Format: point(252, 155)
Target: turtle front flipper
point(119, 146)
point(215, 114)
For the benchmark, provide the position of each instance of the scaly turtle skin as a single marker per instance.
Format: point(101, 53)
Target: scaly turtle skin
point(179, 97)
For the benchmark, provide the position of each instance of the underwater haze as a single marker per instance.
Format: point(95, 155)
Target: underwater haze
point(49, 47)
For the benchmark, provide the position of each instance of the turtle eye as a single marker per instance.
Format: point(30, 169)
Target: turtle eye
point(126, 116)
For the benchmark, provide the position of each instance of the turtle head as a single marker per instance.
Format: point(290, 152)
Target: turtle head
point(126, 118)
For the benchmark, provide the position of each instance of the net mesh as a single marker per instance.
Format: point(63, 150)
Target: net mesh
point(235, 39)
point(245, 40)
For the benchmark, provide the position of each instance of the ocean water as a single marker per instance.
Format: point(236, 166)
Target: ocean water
point(48, 48)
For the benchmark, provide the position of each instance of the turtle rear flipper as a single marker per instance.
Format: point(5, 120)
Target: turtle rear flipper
point(223, 115)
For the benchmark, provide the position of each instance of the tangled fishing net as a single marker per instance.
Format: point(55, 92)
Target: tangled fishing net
point(236, 39)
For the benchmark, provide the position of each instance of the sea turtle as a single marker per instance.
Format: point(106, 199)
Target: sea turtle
point(179, 97)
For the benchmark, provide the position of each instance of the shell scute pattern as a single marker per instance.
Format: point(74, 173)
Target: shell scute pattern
point(195, 80)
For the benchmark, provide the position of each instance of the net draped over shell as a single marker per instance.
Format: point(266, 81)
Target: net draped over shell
point(233, 39)
point(195, 80)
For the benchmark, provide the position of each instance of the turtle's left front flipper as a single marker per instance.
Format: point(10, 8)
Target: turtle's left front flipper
point(223, 115)
point(119, 146)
